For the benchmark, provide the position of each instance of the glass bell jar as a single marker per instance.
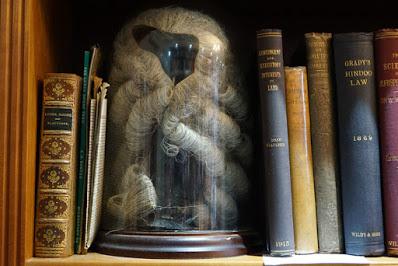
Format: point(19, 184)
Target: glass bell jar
point(178, 150)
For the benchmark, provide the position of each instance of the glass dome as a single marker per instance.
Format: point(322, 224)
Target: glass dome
point(177, 145)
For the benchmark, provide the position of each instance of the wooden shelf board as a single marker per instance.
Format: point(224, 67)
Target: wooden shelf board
point(104, 260)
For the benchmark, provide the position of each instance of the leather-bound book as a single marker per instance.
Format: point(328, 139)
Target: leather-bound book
point(321, 92)
point(359, 144)
point(275, 142)
point(303, 193)
point(386, 57)
point(55, 204)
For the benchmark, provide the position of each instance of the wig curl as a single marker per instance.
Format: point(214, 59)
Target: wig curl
point(200, 116)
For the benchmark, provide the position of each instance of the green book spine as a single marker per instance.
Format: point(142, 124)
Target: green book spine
point(81, 179)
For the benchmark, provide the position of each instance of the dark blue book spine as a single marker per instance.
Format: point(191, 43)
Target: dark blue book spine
point(359, 144)
point(275, 143)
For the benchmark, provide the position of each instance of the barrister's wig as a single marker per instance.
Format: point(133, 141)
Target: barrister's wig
point(203, 116)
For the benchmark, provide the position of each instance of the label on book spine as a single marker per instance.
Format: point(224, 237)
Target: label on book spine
point(321, 92)
point(359, 144)
point(386, 53)
point(275, 142)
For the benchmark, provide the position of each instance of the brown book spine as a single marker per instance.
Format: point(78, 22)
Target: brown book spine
point(55, 204)
point(321, 92)
point(386, 57)
point(303, 194)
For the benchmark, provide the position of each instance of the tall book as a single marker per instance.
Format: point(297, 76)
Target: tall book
point(322, 93)
point(302, 178)
point(359, 144)
point(275, 142)
point(55, 208)
point(386, 53)
point(82, 170)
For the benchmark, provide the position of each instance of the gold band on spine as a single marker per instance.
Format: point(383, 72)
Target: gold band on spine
point(269, 34)
point(386, 34)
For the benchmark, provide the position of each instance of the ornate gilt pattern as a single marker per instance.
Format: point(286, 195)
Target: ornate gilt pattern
point(53, 206)
point(50, 235)
point(56, 148)
point(59, 90)
point(55, 176)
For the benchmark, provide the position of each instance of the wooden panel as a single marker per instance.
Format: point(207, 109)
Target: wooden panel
point(12, 100)
point(29, 45)
point(5, 40)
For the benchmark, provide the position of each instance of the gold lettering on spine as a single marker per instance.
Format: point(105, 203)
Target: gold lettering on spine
point(275, 142)
point(365, 234)
point(282, 244)
point(357, 77)
point(269, 69)
point(392, 243)
point(392, 82)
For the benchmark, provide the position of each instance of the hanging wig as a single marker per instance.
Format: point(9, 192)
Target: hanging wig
point(201, 116)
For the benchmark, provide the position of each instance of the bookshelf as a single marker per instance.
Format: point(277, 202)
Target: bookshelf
point(39, 36)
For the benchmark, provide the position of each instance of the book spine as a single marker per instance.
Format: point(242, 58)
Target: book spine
point(303, 193)
point(55, 207)
point(275, 142)
point(386, 57)
point(81, 179)
point(323, 136)
point(359, 144)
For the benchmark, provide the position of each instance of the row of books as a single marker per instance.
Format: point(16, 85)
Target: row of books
point(72, 148)
point(339, 131)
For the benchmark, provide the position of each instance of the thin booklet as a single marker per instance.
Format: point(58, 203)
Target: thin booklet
point(98, 106)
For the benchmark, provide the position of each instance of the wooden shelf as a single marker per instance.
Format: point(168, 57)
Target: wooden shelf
point(39, 36)
point(104, 260)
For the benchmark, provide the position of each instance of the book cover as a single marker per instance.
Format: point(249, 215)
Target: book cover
point(359, 144)
point(303, 192)
point(275, 142)
point(321, 90)
point(386, 57)
point(55, 205)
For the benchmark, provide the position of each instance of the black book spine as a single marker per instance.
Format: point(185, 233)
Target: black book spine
point(275, 142)
point(359, 144)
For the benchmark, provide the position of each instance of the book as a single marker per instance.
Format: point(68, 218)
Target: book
point(55, 205)
point(92, 95)
point(82, 170)
point(302, 178)
point(94, 195)
point(90, 66)
point(275, 142)
point(321, 90)
point(359, 144)
point(386, 57)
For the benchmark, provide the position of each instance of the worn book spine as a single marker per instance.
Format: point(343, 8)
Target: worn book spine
point(321, 92)
point(82, 170)
point(303, 192)
point(359, 144)
point(386, 56)
point(275, 142)
point(55, 207)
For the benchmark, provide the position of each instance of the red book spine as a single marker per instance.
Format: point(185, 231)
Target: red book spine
point(386, 52)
